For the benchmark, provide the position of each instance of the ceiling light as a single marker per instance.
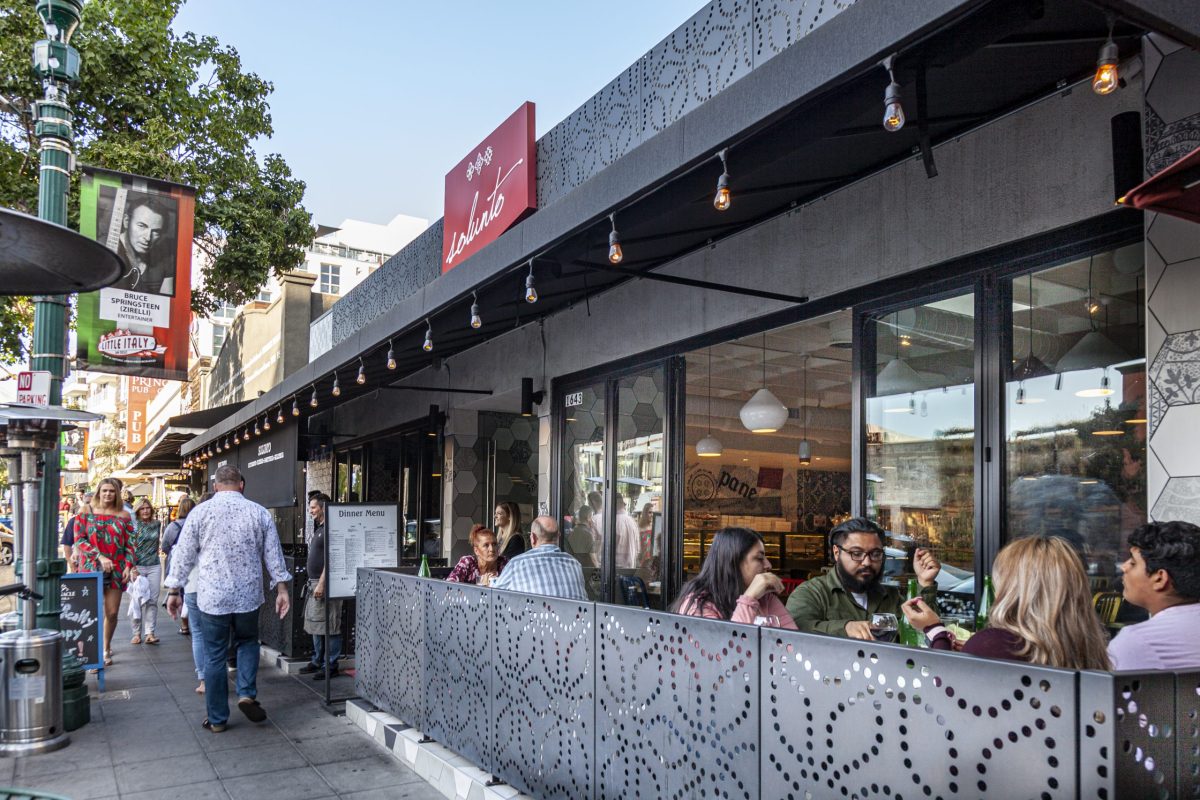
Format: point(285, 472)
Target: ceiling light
point(337, 389)
point(531, 295)
point(1103, 390)
point(1136, 421)
point(362, 372)
point(1093, 350)
point(279, 416)
point(893, 111)
point(721, 200)
point(709, 446)
point(296, 406)
point(1106, 79)
point(391, 356)
point(805, 452)
point(476, 320)
point(427, 345)
point(1108, 433)
point(312, 401)
point(615, 254)
point(897, 377)
point(237, 439)
point(763, 413)
point(257, 429)
point(267, 421)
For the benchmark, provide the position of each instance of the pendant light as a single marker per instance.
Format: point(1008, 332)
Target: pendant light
point(709, 446)
point(896, 377)
point(1094, 349)
point(763, 413)
point(805, 447)
point(1031, 366)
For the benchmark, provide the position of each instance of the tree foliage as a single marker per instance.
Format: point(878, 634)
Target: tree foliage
point(173, 106)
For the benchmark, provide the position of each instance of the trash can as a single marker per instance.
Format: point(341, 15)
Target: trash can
point(31, 692)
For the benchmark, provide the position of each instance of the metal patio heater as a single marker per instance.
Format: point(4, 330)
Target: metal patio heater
point(31, 710)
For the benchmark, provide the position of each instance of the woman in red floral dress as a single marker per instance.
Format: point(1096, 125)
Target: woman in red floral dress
point(105, 544)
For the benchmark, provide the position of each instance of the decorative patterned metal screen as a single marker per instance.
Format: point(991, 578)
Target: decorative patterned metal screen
point(677, 706)
point(574, 700)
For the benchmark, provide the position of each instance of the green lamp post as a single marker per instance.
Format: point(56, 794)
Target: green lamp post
point(57, 65)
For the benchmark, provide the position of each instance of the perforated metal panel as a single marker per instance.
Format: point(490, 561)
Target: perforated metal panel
point(458, 669)
point(543, 708)
point(677, 706)
point(848, 718)
point(1187, 735)
point(1127, 735)
point(391, 645)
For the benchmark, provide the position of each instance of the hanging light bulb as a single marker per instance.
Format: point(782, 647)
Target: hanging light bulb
point(296, 405)
point(476, 320)
point(1107, 78)
point(337, 389)
point(615, 253)
point(312, 401)
point(279, 416)
point(763, 413)
point(1021, 393)
point(236, 438)
point(893, 110)
point(912, 405)
point(805, 453)
point(391, 356)
point(721, 200)
point(267, 421)
point(924, 407)
point(246, 434)
point(362, 372)
point(427, 345)
point(709, 446)
point(257, 429)
point(1103, 390)
point(531, 295)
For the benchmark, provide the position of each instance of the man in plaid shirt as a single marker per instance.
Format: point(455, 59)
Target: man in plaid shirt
point(545, 569)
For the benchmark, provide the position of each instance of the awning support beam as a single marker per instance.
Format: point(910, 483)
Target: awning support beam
point(436, 389)
point(693, 282)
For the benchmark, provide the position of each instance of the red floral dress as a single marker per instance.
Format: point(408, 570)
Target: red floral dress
point(109, 536)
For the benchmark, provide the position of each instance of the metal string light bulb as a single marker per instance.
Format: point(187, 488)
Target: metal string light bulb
point(391, 356)
point(312, 401)
point(296, 406)
point(257, 429)
point(615, 253)
point(476, 320)
point(721, 201)
point(237, 439)
point(279, 416)
point(337, 389)
point(531, 295)
point(427, 345)
point(362, 372)
point(893, 110)
point(267, 421)
point(1107, 77)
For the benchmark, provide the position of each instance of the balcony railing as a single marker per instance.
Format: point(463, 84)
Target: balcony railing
point(565, 699)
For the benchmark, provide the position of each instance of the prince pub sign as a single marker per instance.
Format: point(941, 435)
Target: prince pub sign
point(491, 189)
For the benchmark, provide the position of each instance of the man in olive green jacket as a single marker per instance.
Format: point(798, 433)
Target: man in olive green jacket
point(842, 601)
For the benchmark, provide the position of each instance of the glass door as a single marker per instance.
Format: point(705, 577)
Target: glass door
point(583, 484)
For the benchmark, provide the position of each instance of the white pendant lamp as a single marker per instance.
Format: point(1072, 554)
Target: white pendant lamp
point(896, 377)
point(1094, 350)
point(709, 446)
point(763, 413)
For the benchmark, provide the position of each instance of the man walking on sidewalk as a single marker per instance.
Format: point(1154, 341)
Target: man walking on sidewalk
point(230, 537)
point(316, 606)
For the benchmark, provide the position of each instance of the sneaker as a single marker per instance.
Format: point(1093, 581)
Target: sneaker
point(310, 668)
point(319, 675)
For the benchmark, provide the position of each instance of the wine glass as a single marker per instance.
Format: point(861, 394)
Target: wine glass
point(769, 620)
point(884, 627)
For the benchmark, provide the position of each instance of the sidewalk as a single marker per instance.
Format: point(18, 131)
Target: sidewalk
point(145, 740)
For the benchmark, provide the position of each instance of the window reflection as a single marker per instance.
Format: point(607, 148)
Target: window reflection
point(920, 460)
point(583, 483)
point(1076, 421)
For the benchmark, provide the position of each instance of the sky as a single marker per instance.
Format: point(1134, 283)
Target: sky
point(375, 100)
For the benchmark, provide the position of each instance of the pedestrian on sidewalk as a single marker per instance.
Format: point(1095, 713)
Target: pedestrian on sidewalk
point(147, 534)
point(192, 611)
point(104, 543)
point(322, 617)
point(170, 538)
point(228, 539)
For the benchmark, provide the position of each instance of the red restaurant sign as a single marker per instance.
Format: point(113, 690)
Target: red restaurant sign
point(491, 189)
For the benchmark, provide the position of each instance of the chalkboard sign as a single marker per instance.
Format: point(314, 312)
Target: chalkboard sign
point(82, 620)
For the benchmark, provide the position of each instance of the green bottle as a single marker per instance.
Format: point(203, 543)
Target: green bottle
point(986, 598)
point(423, 572)
point(908, 634)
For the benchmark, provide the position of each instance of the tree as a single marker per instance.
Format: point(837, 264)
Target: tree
point(172, 106)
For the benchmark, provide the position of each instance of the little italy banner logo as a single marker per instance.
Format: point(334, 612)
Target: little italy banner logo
point(124, 345)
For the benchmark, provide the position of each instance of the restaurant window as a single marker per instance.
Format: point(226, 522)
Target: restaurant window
point(219, 332)
point(331, 279)
point(790, 485)
point(582, 483)
point(1076, 406)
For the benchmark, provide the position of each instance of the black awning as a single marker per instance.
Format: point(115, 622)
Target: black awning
point(161, 453)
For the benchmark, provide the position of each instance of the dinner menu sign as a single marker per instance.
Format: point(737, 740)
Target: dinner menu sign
point(358, 535)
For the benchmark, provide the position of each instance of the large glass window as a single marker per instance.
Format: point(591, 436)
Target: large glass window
point(331, 279)
point(792, 484)
point(1076, 406)
point(639, 523)
point(582, 485)
point(920, 439)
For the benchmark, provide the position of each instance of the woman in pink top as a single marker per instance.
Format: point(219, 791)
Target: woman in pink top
point(736, 583)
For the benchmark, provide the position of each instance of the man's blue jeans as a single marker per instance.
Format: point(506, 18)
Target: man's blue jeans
point(335, 650)
point(216, 628)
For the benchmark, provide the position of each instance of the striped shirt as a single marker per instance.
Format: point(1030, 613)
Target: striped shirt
point(545, 569)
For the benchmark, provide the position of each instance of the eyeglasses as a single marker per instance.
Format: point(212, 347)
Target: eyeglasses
point(857, 556)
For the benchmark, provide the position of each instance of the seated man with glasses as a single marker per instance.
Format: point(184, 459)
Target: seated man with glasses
point(841, 601)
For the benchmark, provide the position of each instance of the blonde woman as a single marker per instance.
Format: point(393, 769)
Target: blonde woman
point(147, 534)
point(507, 521)
point(104, 544)
point(1043, 611)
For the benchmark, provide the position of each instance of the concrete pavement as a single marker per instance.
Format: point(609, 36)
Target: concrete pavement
point(145, 740)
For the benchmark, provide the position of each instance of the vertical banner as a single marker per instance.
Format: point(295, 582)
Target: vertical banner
point(139, 325)
point(140, 391)
point(74, 450)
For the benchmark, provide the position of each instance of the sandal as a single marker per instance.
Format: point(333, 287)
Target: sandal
point(184, 630)
point(137, 639)
point(151, 639)
point(208, 726)
point(108, 659)
point(250, 707)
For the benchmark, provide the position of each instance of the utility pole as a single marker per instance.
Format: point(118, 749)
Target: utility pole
point(57, 65)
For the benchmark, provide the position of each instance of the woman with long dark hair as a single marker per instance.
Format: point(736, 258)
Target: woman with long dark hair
point(736, 583)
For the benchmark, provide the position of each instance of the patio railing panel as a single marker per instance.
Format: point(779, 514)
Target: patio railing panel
point(543, 703)
point(887, 720)
point(458, 668)
point(677, 711)
point(391, 646)
point(1187, 734)
point(1127, 720)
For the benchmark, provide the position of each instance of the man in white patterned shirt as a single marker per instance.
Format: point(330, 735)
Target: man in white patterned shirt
point(230, 538)
point(545, 569)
